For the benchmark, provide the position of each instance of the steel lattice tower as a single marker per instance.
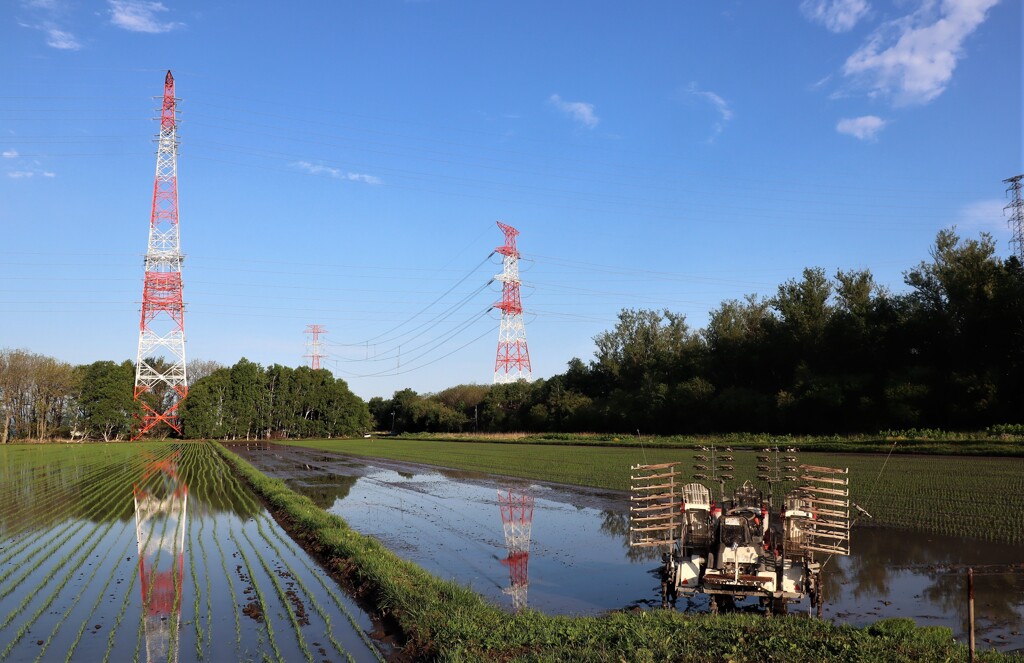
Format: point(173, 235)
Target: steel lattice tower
point(1016, 208)
point(160, 366)
point(314, 345)
point(513, 360)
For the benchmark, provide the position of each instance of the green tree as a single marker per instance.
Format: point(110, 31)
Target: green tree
point(105, 398)
point(204, 414)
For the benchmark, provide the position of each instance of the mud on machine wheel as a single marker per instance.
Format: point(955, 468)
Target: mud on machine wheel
point(669, 594)
point(814, 594)
point(774, 606)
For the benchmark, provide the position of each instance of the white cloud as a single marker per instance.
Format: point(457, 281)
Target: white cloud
point(20, 174)
point(984, 215)
point(835, 15)
point(912, 58)
point(10, 154)
point(580, 111)
point(864, 128)
point(720, 105)
point(140, 16)
point(336, 173)
point(48, 17)
point(47, 173)
point(61, 39)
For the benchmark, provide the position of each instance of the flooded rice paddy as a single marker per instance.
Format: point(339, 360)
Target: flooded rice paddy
point(579, 561)
point(154, 552)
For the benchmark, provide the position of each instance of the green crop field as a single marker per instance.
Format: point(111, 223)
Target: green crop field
point(155, 551)
point(973, 496)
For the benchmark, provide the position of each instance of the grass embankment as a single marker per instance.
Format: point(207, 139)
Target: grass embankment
point(940, 494)
point(441, 620)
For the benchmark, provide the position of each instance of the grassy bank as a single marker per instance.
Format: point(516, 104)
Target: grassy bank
point(441, 620)
point(930, 493)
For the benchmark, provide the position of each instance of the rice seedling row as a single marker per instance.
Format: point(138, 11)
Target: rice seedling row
point(172, 517)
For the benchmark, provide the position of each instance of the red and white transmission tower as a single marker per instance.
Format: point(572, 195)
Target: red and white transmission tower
point(160, 366)
point(517, 521)
point(513, 360)
point(314, 345)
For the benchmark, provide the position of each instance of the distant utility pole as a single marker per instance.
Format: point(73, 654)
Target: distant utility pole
point(1016, 208)
point(513, 360)
point(162, 328)
point(313, 345)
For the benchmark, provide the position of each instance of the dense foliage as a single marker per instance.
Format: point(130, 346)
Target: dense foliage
point(250, 402)
point(823, 355)
point(41, 397)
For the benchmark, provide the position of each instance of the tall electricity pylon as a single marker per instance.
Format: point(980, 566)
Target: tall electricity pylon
point(513, 360)
point(160, 380)
point(1016, 209)
point(315, 355)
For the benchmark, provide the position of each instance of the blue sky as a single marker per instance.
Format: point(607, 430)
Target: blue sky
point(344, 164)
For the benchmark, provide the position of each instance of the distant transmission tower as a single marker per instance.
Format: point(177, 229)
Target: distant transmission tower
point(313, 345)
point(160, 366)
point(513, 360)
point(1016, 208)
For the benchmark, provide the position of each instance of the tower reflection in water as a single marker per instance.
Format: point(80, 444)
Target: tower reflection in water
point(517, 521)
point(161, 498)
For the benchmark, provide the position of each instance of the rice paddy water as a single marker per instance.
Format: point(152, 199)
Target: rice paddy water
point(155, 552)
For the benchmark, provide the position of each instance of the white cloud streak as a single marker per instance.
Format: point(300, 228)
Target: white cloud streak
point(62, 39)
point(835, 15)
point(984, 215)
point(10, 154)
point(140, 16)
point(48, 17)
point(336, 173)
point(721, 106)
point(912, 59)
point(864, 128)
point(579, 111)
point(20, 174)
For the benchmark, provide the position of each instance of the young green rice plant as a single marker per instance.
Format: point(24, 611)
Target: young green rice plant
point(259, 597)
point(197, 618)
point(97, 499)
point(99, 596)
point(75, 565)
point(117, 621)
point(231, 587)
point(282, 597)
point(329, 587)
point(310, 597)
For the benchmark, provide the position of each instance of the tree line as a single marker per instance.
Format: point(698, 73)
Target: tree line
point(42, 397)
point(822, 355)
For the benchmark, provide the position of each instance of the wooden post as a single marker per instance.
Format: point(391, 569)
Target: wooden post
point(970, 612)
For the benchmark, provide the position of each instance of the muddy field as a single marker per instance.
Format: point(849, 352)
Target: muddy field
point(579, 562)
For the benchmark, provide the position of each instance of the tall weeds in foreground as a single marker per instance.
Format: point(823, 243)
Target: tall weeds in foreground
point(442, 620)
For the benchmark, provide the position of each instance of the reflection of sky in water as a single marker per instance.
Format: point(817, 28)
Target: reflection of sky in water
point(454, 530)
point(580, 563)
